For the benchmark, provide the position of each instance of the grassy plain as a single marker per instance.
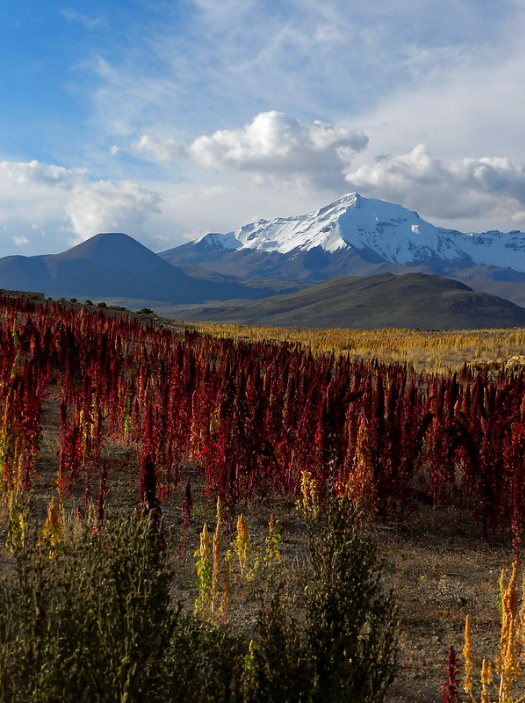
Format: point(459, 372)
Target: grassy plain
point(438, 351)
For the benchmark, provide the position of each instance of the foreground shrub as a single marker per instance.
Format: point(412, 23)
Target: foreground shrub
point(87, 619)
point(347, 648)
point(276, 667)
point(351, 633)
point(205, 663)
point(90, 622)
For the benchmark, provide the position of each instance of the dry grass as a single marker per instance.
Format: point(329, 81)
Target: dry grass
point(429, 351)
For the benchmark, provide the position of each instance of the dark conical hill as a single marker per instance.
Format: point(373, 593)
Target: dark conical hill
point(114, 265)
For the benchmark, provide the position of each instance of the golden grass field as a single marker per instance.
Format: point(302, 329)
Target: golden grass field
point(438, 351)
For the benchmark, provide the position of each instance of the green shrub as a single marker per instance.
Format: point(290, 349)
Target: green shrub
point(89, 624)
point(276, 668)
point(347, 648)
point(205, 663)
point(351, 632)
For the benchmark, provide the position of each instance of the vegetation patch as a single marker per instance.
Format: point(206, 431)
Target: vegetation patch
point(257, 472)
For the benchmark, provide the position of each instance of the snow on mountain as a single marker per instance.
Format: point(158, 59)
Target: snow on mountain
point(386, 230)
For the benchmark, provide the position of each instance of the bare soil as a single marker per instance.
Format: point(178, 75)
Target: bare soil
point(440, 570)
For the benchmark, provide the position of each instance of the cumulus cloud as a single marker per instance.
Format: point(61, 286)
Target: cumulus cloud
point(463, 188)
point(275, 143)
point(158, 149)
point(493, 175)
point(34, 173)
point(109, 207)
point(69, 200)
point(271, 145)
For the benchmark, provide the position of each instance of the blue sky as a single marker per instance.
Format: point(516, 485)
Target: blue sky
point(170, 119)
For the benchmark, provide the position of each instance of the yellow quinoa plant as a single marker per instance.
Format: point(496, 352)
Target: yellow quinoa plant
point(502, 680)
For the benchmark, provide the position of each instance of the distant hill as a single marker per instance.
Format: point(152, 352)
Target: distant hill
point(412, 300)
point(114, 265)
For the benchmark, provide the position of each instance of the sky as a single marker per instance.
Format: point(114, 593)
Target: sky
point(167, 119)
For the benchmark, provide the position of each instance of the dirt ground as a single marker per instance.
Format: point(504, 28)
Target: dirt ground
point(440, 570)
point(436, 563)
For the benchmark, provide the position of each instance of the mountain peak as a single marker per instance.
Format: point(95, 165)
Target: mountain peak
point(106, 244)
point(349, 200)
point(385, 231)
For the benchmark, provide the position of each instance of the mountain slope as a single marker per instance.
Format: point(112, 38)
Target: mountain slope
point(378, 230)
point(412, 300)
point(356, 236)
point(116, 265)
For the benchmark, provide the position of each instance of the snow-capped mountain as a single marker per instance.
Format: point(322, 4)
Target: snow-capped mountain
point(387, 230)
point(361, 236)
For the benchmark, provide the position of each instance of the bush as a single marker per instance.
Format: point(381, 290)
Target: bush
point(90, 621)
point(277, 668)
point(89, 624)
point(351, 633)
point(347, 651)
point(205, 663)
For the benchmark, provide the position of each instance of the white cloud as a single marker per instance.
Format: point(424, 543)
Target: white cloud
point(34, 173)
point(276, 142)
point(462, 188)
point(158, 149)
point(68, 200)
point(272, 145)
point(110, 207)
point(494, 176)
